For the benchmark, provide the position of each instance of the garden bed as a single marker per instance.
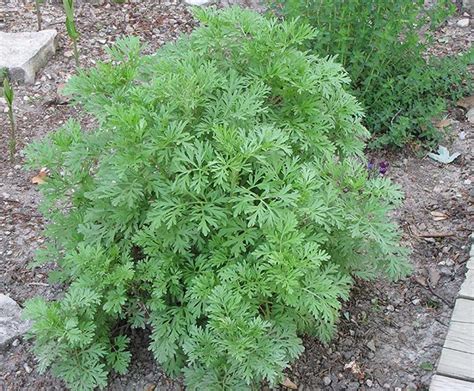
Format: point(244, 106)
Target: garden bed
point(390, 335)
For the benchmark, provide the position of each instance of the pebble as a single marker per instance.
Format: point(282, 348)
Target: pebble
point(371, 345)
point(416, 301)
point(326, 380)
point(354, 386)
point(28, 369)
point(390, 308)
point(470, 115)
point(15, 343)
point(369, 383)
point(463, 22)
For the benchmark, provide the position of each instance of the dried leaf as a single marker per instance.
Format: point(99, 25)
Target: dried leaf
point(41, 177)
point(434, 276)
point(289, 384)
point(150, 387)
point(444, 123)
point(466, 102)
point(355, 369)
point(421, 280)
point(438, 216)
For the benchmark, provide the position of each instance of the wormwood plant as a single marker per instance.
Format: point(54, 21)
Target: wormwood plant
point(380, 45)
point(71, 27)
point(223, 202)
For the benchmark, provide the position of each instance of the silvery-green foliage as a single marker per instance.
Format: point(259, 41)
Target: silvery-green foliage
point(222, 201)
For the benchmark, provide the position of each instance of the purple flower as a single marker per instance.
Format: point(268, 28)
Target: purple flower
point(383, 167)
point(371, 164)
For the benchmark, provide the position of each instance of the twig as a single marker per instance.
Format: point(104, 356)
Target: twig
point(434, 234)
point(429, 287)
point(38, 283)
point(445, 301)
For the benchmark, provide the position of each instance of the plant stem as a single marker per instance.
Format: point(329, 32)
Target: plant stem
point(38, 13)
point(12, 141)
point(76, 52)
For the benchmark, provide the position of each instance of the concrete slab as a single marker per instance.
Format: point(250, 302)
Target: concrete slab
point(23, 54)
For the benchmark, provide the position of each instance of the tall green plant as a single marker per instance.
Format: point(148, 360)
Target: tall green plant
point(380, 45)
point(71, 27)
point(9, 97)
point(223, 201)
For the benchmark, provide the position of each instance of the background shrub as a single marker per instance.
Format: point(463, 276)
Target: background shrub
point(223, 202)
point(379, 42)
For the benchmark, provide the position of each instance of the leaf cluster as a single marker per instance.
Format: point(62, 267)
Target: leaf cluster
point(222, 202)
point(380, 44)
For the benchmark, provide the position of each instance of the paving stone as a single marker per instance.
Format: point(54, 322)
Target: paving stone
point(11, 324)
point(25, 53)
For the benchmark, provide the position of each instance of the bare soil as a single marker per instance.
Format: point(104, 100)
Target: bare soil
point(390, 334)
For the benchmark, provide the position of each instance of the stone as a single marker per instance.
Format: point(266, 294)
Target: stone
point(371, 345)
point(28, 369)
point(463, 22)
point(11, 324)
point(23, 54)
point(326, 380)
point(468, 5)
point(470, 116)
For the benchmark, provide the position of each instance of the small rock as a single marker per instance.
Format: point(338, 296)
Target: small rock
point(371, 345)
point(390, 308)
point(353, 386)
point(68, 53)
point(416, 301)
point(463, 22)
point(449, 262)
point(326, 380)
point(470, 116)
point(15, 343)
point(369, 383)
point(28, 369)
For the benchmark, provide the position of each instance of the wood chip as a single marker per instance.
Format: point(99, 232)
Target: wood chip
point(289, 384)
point(438, 216)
